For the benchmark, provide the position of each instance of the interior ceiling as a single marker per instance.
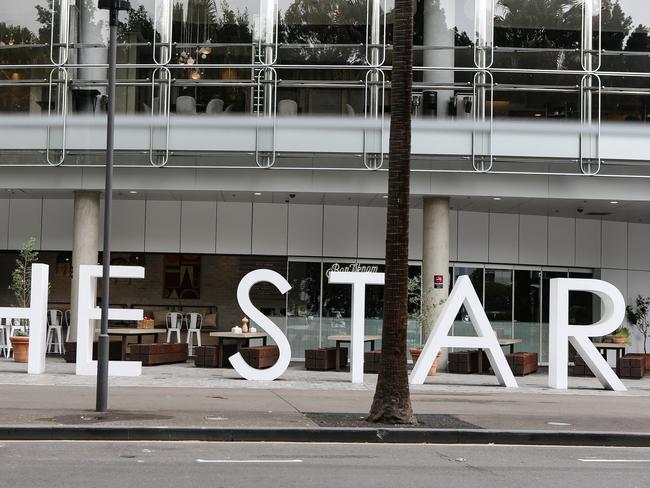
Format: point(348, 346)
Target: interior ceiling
point(628, 211)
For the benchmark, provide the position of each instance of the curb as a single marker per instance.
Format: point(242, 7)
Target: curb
point(325, 434)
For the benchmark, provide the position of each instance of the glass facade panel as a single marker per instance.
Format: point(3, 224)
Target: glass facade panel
point(537, 34)
point(323, 50)
point(325, 32)
point(546, 277)
point(339, 93)
point(337, 308)
point(584, 307)
point(462, 325)
point(25, 31)
point(303, 307)
point(625, 37)
point(527, 304)
point(537, 97)
point(498, 300)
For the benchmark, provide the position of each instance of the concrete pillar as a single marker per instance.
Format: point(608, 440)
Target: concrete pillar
point(435, 259)
point(85, 244)
point(439, 22)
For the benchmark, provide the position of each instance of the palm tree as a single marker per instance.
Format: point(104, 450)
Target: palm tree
point(392, 402)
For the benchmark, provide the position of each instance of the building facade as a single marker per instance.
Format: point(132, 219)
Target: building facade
point(254, 134)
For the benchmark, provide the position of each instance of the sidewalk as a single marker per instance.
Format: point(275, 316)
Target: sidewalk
point(184, 397)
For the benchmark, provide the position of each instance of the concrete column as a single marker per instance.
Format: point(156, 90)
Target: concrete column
point(435, 259)
point(85, 244)
point(439, 22)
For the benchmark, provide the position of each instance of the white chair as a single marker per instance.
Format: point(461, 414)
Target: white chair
point(215, 106)
point(349, 110)
point(54, 327)
point(174, 324)
point(185, 105)
point(4, 338)
point(194, 322)
point(287, 107)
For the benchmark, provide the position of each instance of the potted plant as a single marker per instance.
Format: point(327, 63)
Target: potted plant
point(637, 315)
point(620, 335)
point(422, 314)
point(20, 345)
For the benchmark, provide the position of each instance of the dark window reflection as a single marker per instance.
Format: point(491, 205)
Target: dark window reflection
point(498, 300)
point(581, 303)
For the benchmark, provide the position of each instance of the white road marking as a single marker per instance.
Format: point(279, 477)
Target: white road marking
point(557, 423)
point(249, 460)
point(595, 460)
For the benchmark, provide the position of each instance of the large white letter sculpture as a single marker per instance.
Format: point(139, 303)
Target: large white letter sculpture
point(88, 312)
point(243, 297)
point(613, 313)
point(358, 280)
point(463, 293)
point(37, 316)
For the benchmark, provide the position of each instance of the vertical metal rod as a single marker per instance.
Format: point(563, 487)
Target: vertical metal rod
point(102, 349)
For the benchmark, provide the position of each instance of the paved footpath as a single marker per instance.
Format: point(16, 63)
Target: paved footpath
point(178, 396)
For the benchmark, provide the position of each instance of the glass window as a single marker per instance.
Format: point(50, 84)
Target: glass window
point(535, 96)
point(337, 306)
point(625, 35)
point(462, 325)
point(498, 300)
point(546, 277)
point(527, 309)
point(303, 309)
point(548, 32)
point(322, 32)
point(25, 30)
point(582, 304)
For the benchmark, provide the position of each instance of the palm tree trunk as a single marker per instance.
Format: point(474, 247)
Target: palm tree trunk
point(392, 402)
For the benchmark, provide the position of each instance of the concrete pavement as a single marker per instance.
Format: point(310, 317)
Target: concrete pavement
point(181, 396)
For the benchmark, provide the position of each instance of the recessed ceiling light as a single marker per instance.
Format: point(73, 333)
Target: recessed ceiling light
point(257, 194)
point(614, 202)
point(497, 198)
point(133, 192)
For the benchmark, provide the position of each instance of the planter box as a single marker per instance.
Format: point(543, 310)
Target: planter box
point(158, 353)
point(114, 351)
point(631, 366)
point(464, 362)
point(371, 361)
point(324, 358)
point(580, 368)
point(260, 356)
point(206, 357)
point(522, 363)
point(647, 361)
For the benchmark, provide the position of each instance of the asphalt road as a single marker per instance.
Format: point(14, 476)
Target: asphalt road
point(262, 465)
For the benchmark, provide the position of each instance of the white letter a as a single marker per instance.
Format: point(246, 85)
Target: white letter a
point(463, 294)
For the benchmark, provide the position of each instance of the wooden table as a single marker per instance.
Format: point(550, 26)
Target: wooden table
point(126, 332)
point(502, 342)
point(240, 338)
point(603, 347)
point(340, 339)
